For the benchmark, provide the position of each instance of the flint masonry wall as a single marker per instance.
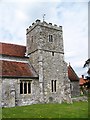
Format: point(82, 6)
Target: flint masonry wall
point(75, 90)
point(49, 67)
point(53, 70)
point(11, 93)
point(8, 92)
point(37, 37)
point(27, 99)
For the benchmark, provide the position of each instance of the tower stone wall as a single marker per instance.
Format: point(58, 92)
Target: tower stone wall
point(46, 51)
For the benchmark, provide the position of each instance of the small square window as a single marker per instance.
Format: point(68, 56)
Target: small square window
point(52, 53)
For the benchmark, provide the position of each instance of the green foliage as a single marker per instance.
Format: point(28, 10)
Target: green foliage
point(64, 110)
point(0, 113)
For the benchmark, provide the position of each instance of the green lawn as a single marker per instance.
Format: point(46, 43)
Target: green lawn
point(75, 110)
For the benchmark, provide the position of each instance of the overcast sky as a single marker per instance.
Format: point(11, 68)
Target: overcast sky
point(17, 15)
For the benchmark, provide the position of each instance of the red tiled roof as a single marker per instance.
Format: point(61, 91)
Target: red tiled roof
point(12, 50)
point(15, 69)
point(82, 81)
point(72, 75)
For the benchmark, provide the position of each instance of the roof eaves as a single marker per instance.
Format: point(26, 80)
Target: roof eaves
point(19, 77)
point(75, 80)
point(4, 55)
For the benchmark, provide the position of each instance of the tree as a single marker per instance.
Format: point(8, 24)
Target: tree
point(87, 64)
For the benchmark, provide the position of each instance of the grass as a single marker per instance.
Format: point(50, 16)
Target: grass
point(64, 110)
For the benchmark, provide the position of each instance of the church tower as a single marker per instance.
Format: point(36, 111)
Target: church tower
point(46, 53)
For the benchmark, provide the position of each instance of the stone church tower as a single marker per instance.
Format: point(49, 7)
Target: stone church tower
point(46, 53)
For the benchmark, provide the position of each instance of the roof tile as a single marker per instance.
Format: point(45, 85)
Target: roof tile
point(72, 75)
point(15, 69)
point(82, 81)
point(12, 50)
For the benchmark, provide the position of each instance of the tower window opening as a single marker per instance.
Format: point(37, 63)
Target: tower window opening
point(50, 38)
point(52, 53)
point(32, 39)
point(53, 85)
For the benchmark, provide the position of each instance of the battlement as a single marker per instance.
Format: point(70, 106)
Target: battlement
point(45, 24)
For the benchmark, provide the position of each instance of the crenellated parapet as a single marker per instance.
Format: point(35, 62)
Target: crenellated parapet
point(44, 24)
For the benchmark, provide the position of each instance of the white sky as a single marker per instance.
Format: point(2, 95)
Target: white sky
point(17, 15)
